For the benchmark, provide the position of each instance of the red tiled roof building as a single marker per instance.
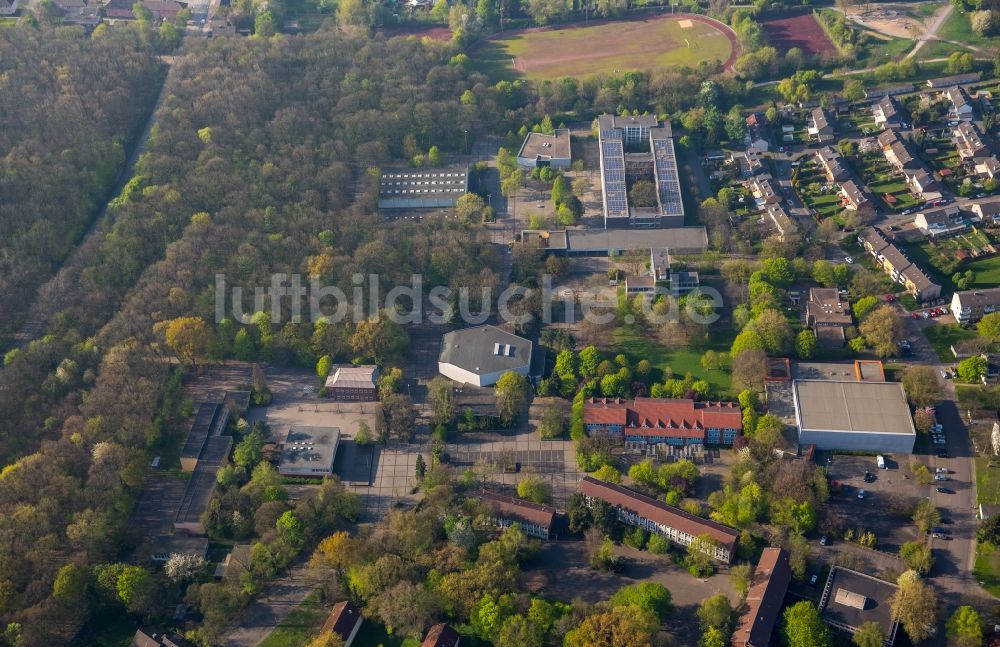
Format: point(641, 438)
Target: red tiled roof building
point(655, 421)
point(764, 600)
point(677, 525)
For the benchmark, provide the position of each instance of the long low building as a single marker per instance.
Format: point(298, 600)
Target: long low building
point(654, 516)
point(853, 416)
point(422, 188)
point(535, 519)
point(605, 242)
point(898, 266)
point(970, 306)
point(664, 421)
point(764, 599)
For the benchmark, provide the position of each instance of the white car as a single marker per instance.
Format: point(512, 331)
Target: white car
point(942, 470)
point(938, 426)
point(941, 477)
point(862, 494)
point(848, 260)
point(939, 441)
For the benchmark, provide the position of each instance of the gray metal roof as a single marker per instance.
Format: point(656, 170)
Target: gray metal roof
point(485, 349)
point(852, 407)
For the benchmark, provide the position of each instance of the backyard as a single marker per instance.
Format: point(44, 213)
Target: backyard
point(886, 183)
point(956, 254)
point(814, 191)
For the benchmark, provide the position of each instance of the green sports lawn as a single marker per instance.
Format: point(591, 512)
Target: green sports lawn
point(581, 51)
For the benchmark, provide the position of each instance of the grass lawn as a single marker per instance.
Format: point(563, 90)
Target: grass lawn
point(958, 29)
point(942, 336)
point(987, 481)
point(611, 47)
point(987, 568)
point(638, 345)
point(878, 51)
point(987, 271)
point(936, 49)
point(301, 624)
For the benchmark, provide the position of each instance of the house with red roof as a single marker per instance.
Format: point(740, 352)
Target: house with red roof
point(656, 421)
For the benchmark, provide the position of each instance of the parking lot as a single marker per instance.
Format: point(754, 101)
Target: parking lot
point(888, 498)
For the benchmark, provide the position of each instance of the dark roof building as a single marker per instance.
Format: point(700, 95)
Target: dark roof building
point(209, 420)
point(948, 81)
point(201, 486)
point(850, 599)
point(344, 620)
point(441, 635)
point(480, 355)
point(677, 525)
point(886, 113)
point(601, 242)
point(764, 599)
point(536, 520)
point(144, 638)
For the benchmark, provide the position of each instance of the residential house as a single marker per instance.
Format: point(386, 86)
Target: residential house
point(819, 126)
point(654, 516)
point(939, 223)
point(782, 221)
point(828, 316)
point(441, 635)
point(987, 167)
point(896, 151)
point(753, 160)
point(922, 184)
point(536, 520)
point(969, 306)
point(852, 197)
point(764, 599)
point(119, 10)
point(758, 135)
point(961, 106)
point(830, 160)
point(987, 212)
point(144, 638)
point(8, 7)
point(897, 266)
point(969, 141)
point(663, 421)
point(886, 113)
point(344, 620)
point(763, 191)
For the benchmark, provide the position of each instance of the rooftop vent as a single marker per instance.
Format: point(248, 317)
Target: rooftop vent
point(850, 599)
point(496, 348)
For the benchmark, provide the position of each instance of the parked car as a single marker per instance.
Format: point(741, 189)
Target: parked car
point(813, 579)
point(862, 494)
point(938, 529)
point(890, 298)
point(939, 441)
point(823, 541)
point(914, 315)
point(941, 477)
point(942, 470)
point(946, 375)
point(944, 490)
point(940, 535)
point(848, 260)
point(943, 454)
point(938, 426)
point(869, 477)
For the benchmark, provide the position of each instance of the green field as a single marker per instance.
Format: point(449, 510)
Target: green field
point(301, 624)
point(615, 47)
point(958, 29)
point(942, 336)
point(638, 345)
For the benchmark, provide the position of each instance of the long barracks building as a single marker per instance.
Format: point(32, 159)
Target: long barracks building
point(678, 526)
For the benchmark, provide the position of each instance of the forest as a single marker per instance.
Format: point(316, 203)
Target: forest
point(72, 107)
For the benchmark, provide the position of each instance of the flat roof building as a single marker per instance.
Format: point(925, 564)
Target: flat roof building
point(605, 242)
point(422, 188)
point(632, 148)
point(677, 525)
point(536, 519)
point(309, 451)
point(764, 599)
point(210, 420)
point(850, 599)
point(540, 150)
point(853, 416)
point(201, 486)
point(480, 355)
point(948, 81)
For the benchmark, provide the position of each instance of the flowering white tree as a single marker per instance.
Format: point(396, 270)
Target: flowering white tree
point(182, 567)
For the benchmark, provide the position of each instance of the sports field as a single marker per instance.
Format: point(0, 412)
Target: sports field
point(582, 50)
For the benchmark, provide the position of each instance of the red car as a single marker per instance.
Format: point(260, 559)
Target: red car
point(914, 315)
point(890, 298)
point(933, 314)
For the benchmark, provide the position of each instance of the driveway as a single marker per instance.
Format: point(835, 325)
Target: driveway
point(267, 611)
